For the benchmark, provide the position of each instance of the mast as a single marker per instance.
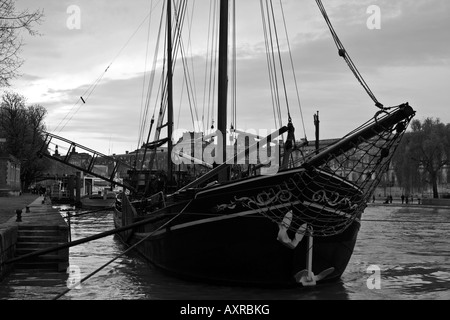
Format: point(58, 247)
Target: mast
point(223, 82)
point(169, 92)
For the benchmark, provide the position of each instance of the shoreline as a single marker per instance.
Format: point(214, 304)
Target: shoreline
point(408, 205)
point(9, 205)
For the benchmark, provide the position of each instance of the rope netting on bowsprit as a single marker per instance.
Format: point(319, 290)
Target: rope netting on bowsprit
point(331, 188)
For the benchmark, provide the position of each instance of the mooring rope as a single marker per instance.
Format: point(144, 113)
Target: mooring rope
point(121, 254)
point(80, 241)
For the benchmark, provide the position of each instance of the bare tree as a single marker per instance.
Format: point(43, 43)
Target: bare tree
point(23, 128)
point(423, 155)
point(12, 23)
point(12, 122)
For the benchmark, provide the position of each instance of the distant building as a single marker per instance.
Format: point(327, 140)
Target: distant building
point(10, 183)
point(150, 162)
point(60, 180)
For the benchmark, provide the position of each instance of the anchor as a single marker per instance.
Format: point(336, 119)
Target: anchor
point(307, 277)
point(282, 233)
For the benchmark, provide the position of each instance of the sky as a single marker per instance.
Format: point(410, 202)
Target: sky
point(101, 50)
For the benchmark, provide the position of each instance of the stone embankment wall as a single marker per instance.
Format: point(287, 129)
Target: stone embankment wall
point(8, 241)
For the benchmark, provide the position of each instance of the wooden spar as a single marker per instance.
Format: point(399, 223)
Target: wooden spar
point(380, 125)
point(169, 91)
point(89, 169)
point(195, 160)
point(223, 84)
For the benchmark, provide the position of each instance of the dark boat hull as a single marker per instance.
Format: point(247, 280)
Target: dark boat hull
point(221, 235)
point(231, 254)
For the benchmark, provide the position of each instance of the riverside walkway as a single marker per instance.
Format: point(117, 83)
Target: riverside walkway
point(38, 226)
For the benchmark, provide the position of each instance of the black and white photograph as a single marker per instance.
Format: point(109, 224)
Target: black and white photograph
point(232, 157)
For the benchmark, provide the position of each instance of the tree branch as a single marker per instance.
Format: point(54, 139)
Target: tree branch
point(12, 23)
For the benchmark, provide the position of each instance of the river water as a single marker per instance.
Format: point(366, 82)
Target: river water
point(402, 253)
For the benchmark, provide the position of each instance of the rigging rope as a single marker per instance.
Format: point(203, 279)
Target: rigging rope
point(293, 70)
point(145, 107)
point(83, 99)
point(193, 83)
point(149, 94)
point(344, 54)
point(87, 94)
point(280, 61)
point(181, 13)
point(210, 82)
point(187, 75)
point(275, 62)
point(271, 67)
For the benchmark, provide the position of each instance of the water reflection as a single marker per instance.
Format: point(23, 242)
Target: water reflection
point(412, 252)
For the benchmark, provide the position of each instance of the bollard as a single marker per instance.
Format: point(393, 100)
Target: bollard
point(27, 210)
point(19, 215)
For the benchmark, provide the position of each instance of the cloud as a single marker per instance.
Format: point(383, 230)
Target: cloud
point(407, 60)
point(412, 32)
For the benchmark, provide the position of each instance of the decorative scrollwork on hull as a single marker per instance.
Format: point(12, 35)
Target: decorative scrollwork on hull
point(261, 200)
point(334, 199)
point(317, 198)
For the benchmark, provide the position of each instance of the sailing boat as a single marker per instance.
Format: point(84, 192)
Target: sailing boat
point(294, 227)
